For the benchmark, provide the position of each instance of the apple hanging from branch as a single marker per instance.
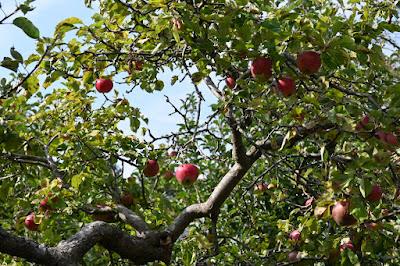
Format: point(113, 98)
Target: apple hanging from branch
point(151, 168)
point(261, 68)
point(309, 62)
point(286, 86)
point(187, 174)
point(30, 222)
point(104, 85)
point(341, 214)
point(230, 82)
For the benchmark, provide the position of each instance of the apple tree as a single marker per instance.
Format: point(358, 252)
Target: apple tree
point(295, 162)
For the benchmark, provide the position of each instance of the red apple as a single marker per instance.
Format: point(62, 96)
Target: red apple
point(230, 82)
point(44, 204)
point(371, 226)
point(104, 85)
point(375, 194)
point(286, 86)
point(381, 135)
point(364, 121)
point(391, 139)
point(359, 126)
point(309, 62)
point(30, 222)
point(127, 199)
point(138, 65)
point(172, 154)
point(295, 235)
point(151, 168)
point(261, 68)
point(187, 174)
point(177, 23)
point(293, 256)
point(340, 214)
point(168, 175)
point(309, 202)
point(348, 245)
point(260, 187)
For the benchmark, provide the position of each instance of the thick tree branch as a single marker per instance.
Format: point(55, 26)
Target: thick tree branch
point(132, 219)
point(24, 248)
point(231, 179)
point(153, 246)
point(29, 159)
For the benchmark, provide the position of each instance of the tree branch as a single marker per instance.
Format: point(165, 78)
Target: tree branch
point(24, 248)
point(132, 219)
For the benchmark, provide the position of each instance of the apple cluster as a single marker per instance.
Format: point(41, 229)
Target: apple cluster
point(308, 62)
point(387, 138)
point(186, 174)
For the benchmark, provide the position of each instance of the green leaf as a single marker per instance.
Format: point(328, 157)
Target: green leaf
point(31, 84)
point(9, 63)
point(365, 187)
point(27, 26)
point(25, 8)
point(76, 180)
point(359, 210)
point(174, 79)
point(67, 25)
point(14, 53)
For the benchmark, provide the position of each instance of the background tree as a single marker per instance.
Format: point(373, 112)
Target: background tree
point(300, 151)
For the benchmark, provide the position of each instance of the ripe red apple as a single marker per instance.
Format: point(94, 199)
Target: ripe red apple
point(230, 82)
point(44, 204)
point(375, 194)
point(295, 235)
point(371, 226)
point(391, 139)
point(347, 245)
point(172, 153)
point(293, 256)
point(127, 199)
point(309, 62)
point(30, 222)
point(363, 123)
point(138, 65)
point(168, 174)
point(286, 86)
point(381, 135)
point(261, 68)
point(187, 174)
point(151, 168)
point(104, 85)
point(260, 187)
point(309, 202)
point(177, 23)
point(340, 214)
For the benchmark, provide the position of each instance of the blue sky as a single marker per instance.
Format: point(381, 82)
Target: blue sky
point(46, 16)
